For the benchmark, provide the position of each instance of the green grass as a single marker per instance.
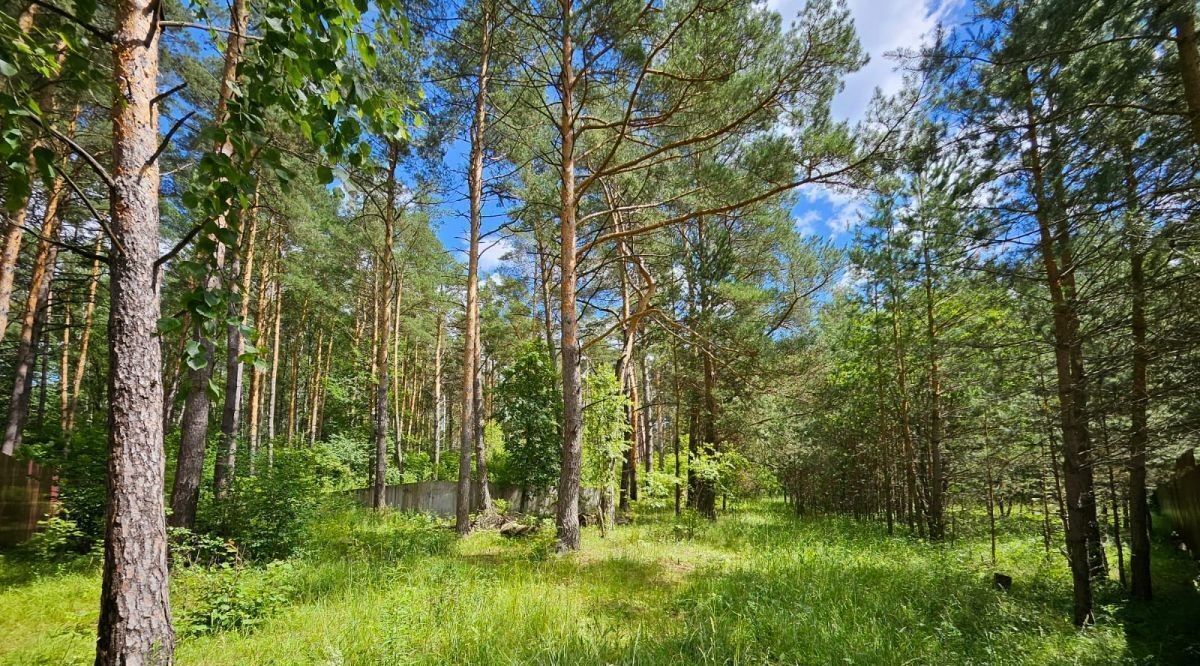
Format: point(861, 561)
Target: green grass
point(757, 587)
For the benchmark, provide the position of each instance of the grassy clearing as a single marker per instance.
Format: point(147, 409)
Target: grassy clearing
point(757, 587)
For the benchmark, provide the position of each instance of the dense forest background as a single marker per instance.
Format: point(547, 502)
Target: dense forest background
point(258, 251)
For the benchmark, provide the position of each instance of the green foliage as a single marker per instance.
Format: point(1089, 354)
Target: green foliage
point(353, 453)
point(687, 524)
point(604, 427)
point(266, 514)
point(757, 587)
point(57, 540)
point(657, 489)
point(82, 471)
point(389, 536)
point(188, 548)
point(227, 597)
point(418, 466)
point(529, 406)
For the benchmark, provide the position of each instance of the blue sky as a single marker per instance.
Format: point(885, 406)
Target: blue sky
point(883, 26)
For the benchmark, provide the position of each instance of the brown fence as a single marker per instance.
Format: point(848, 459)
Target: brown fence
point(1179, 499)
point(24, 498)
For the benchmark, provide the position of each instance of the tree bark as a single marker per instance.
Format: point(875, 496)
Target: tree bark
point(193, 441)
point(262, 316)
point(10, 253)
point(242, 270)
point(915, 512)
point(89, 312)
point(481, 469)
point(1189, 65)
point(1139, 511)
point(386, 276)
point(135, 616)
point(275, 336)
point(936, 425)
point(467, 424)
point(1075, 453)
point(567, 510)
point(33, 320)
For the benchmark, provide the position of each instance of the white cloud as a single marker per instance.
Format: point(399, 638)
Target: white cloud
point(492, 254)
point(883, 26)
point(843, 208)
point(806, 222)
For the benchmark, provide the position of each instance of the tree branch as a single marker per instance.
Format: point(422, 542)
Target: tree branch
point(106, 36)
point(96, 214)
point(167, 139)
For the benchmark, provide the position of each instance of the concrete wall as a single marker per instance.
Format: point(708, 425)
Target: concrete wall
point(439, 498)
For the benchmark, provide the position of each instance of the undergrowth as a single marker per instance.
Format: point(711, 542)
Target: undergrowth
point(756, 587)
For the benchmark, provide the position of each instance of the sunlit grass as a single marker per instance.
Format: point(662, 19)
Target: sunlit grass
point(757, 587)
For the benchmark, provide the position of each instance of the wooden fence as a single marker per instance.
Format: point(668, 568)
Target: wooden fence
point(1179, 499)
point(25, 496)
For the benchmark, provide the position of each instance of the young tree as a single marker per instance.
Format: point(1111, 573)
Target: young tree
point(527, 406)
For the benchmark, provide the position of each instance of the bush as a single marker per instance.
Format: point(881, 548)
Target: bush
point(189, 549)
point(58, 539)
point(687, 525)
point(82, 481)
point(354, 455)
point(266, 514)
point(232, 597)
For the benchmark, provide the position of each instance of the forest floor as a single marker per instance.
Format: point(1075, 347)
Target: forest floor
point(757, 587)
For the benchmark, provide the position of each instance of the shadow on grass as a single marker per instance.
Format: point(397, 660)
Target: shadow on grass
point(1167, 629)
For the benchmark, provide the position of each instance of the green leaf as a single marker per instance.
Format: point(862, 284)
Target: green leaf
point(169, 325)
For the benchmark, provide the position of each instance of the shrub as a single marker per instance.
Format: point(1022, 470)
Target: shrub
point(232, 597)
point(188, 548)
point(58, 539)
point(266, 514)
point(82, 480)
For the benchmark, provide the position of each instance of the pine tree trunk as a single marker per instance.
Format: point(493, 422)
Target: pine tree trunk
point(242, 270)
point(135, 616)
point(1139, 510)
point(567, 510)
point(916, 514)
point(386, 277)
point(1075, 452)
point(64, 365)
point(193, 441)
point(481, 469)
point(467, 423)
point(312, 395)
point(396, 374)
point(936, 426)
point(89, 312)
point(275, 338)
point(10, 253)
point(1189, 65)
point(33, 320)
point(262, 317)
